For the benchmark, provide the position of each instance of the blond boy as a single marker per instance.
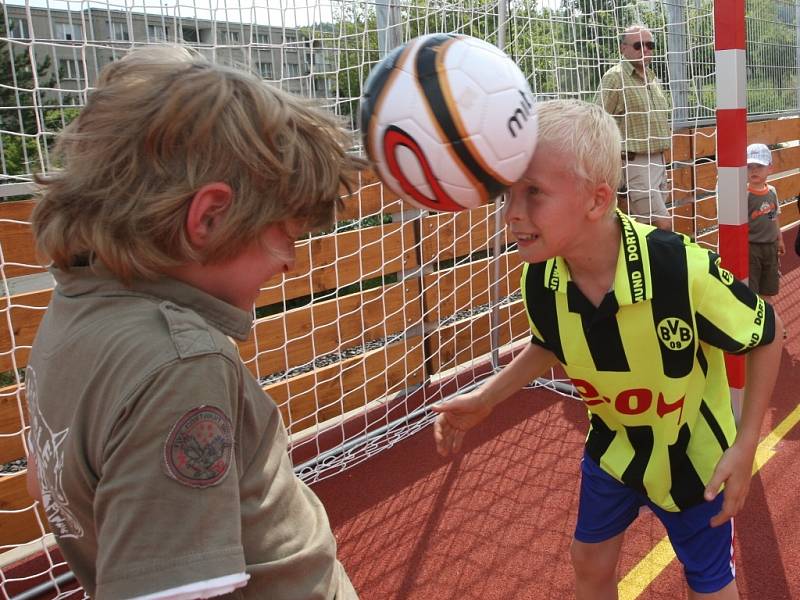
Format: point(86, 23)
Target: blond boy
point(639, 319)
point(161, 464)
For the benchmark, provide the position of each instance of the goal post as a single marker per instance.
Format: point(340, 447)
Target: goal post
point(730, 48)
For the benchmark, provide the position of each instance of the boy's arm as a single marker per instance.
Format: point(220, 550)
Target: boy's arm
point(735, 468)
point(781, 245)
point(467, 410)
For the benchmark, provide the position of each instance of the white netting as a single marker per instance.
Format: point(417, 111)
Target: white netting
point(394, 309)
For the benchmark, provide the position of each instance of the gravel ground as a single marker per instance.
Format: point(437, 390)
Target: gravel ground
point(14, 466)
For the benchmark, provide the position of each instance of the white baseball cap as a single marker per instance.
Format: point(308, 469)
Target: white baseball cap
point(759, 154)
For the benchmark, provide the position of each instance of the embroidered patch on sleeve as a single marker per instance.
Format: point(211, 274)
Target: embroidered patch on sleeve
point(199, 448)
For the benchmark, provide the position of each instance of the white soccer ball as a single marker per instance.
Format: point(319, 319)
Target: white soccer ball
point(448, 121)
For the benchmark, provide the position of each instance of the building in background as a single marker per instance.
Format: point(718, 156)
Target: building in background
point(80, 43)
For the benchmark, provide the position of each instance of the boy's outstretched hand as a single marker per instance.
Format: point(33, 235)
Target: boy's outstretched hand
point(734, 469)
point(455, 418)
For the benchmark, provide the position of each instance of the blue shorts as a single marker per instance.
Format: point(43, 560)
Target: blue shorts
point(608, 507)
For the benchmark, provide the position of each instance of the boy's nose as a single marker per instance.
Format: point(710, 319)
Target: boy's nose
point(510, 208)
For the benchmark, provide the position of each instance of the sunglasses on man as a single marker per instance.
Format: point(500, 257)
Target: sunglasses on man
point(648, 45)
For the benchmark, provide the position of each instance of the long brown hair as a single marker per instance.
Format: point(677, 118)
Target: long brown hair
point(161, 123)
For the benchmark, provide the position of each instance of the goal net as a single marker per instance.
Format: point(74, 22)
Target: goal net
point(395, 308)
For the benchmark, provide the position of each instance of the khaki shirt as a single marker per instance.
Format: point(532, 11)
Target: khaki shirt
point(641, 108)
point(161, 460)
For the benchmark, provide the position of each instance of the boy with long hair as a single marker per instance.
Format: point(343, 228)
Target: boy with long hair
point(161, 464)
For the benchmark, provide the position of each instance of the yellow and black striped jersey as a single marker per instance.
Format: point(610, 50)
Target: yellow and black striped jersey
point(648, 361)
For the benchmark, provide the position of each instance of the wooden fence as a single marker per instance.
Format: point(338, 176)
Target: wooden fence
point(426, 310)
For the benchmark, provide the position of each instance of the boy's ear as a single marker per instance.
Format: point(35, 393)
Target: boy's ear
point(601, 201)
point(207, 207)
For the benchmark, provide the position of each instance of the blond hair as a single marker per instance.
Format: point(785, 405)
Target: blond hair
point(585, 132)
point(161, 123)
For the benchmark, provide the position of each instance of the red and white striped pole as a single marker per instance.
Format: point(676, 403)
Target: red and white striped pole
point(729, 51)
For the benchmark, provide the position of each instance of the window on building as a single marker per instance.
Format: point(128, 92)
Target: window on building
point(265, 69)
point(18, 28)
point(190, 34)
point(262, 38)
point(291, 70)
point(68, 31)
point(119, 31)
point(70, 69)
point(157, 33)
point(229, 37)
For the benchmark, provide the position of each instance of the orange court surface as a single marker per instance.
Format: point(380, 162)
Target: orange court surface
point(496, 521)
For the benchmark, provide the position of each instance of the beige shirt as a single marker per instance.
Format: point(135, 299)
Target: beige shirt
point(161, 460)
point(640, 107)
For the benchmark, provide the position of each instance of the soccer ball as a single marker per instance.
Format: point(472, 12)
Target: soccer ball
point(448, 121)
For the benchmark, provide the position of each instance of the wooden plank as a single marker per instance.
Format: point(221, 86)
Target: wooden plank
point(16, 239)
point(296, 337)
point(446, 236)
point(681, 146)
point(770, 132)
point(705, 142)
point(709, 240)
point(18, 210)
point(706, 211)
point(787, 186)
point(682, 183)
point(468, 286)
point(344, 259)
point(683, 218)
point(773, 131)
point(349, 384)
point(370, 198)
point(18, 527)
point(785, 159)
point(11, 431)
point(789, 215)
point(465, 340)
point(705, 178)
point(684, 226)
point(26, 311)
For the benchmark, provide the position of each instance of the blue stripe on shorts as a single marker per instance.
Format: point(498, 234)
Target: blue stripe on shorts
point(608, 507)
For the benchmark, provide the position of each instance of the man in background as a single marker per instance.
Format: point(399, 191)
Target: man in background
point(631, 92)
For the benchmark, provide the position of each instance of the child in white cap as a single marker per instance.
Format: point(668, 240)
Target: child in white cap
point(766, 242)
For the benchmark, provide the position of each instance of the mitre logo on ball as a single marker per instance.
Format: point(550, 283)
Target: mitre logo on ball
point(448, 121)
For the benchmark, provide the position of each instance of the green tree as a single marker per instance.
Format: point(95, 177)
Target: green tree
point(356, 38)
point(17, 104)
point(771, 59)
point(16, 72)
